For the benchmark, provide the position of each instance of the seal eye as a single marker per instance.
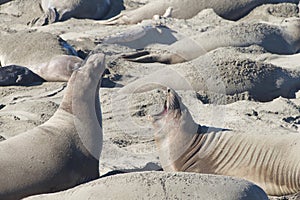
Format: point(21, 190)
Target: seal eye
point(169, 90)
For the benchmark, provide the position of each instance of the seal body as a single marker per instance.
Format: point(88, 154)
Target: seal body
point(58, 154)
point(270, 161)
point(57, 10)
point(218, 73)
point(161, 185)
point(43, 54)
point(280, 38)
point(185, 9)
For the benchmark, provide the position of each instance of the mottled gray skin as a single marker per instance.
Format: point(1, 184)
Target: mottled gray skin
point(4, 1)
point(44, 54)
point(162, 185)
point(186, 9)
point(280, 39)
point(17, 75)
point(54, 156)
point(272, 161)
point(221, 74)
point(61, 10)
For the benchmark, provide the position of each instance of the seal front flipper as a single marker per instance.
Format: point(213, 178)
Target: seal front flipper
point(120, 19)
point(151, 57)
point(18, 75)
point(52, 15)
point(48, 17)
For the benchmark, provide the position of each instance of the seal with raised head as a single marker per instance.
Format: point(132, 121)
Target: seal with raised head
point(270, 161)
point(227, 9)
point(283, 38)
point(65, 150)
point(60, 10)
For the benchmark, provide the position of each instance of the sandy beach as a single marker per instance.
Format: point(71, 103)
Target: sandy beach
point(258, 90)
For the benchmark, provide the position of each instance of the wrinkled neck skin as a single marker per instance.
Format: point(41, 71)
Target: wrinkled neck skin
point(174, 133)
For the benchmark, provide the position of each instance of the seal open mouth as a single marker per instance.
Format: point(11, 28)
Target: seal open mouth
point(172, 101)
point(171, 104)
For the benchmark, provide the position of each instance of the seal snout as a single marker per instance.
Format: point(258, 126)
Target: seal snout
point(171, 104)
point(97, 65)
point(172, 101)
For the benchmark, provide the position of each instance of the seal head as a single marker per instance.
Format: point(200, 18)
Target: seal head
point(174, 130)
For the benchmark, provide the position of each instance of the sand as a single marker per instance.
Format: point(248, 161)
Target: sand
point(128, 136)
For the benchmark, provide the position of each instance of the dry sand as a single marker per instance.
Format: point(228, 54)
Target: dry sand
point(128, 137)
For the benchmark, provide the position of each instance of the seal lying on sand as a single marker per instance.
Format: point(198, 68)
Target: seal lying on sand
point(60, 10)
point(62, 152)
point(227, 9)
point(280, 39)
point(270, 161)
point(219, 73)
point(161, 185)
point(44, 54)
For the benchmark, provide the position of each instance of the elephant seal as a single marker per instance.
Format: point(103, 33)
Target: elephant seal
point(61, 10)
point(43, 54)
point(64, 151)
point(161, 185)
point(223, 74)
point(270, 161)
point(59, 68)
point(227, 9)
point(281, 39)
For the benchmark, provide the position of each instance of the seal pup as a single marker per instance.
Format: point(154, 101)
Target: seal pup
point(61, 10)
point(162, 185)
point(44, 54)
point(227, 9)
point(270, 161)
point(64, 151)
point(280, 39)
